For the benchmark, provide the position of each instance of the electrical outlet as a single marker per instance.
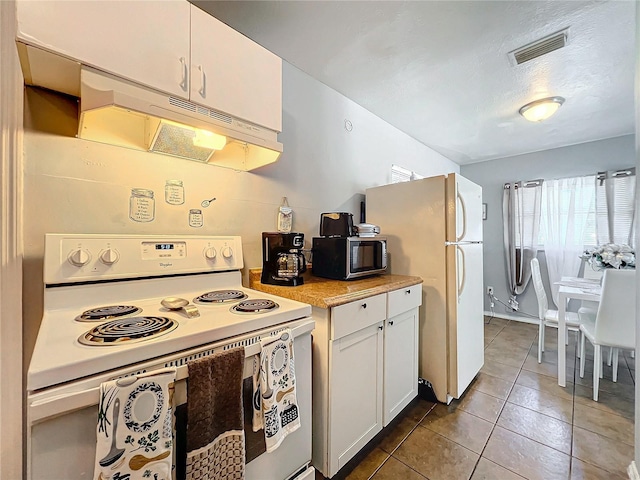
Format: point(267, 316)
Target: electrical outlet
point(489, 290)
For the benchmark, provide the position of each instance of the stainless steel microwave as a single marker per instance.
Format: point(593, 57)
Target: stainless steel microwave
point(344, 258)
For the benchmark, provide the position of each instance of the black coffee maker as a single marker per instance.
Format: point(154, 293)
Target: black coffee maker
point(282, 260)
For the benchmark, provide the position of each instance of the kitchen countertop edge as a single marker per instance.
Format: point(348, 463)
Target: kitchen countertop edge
point(327, 293)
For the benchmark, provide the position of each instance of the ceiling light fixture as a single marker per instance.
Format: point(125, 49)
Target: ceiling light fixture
point(541, 109)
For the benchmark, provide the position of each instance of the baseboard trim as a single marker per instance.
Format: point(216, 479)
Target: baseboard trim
point(632, 470)
point(517, 318)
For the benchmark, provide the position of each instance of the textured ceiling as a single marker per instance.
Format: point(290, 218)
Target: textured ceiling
point(440, 71)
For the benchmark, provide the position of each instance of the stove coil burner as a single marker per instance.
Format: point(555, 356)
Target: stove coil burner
point(128, 330)
point(108, 313)
point(220, 296)
point(258, 305)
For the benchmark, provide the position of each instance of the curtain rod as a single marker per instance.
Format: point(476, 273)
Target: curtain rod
point(602, 176)
point(627, 172)
point(526, 184)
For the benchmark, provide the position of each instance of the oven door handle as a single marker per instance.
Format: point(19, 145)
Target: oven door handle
point(44, 408)
point(49, 405)
point(41, 409)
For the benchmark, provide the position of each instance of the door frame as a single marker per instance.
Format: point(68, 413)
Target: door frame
point(11, 249)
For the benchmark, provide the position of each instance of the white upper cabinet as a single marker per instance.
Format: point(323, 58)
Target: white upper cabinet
point(146, 42)
point(232, 73)
point(169, 45)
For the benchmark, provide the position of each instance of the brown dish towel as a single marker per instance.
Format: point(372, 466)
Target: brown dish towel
point(215, 426)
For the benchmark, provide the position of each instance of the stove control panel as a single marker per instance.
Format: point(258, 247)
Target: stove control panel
point(163, 250)
point(80, 258)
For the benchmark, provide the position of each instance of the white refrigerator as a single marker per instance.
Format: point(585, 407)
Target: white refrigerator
point(434, 230)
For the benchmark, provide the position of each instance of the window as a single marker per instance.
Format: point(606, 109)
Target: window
point(529, 202)
point(568, 212)
point(589, 211)
point(399, 174)
point(615, 207)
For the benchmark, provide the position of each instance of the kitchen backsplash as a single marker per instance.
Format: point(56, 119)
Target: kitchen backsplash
point(79, 186)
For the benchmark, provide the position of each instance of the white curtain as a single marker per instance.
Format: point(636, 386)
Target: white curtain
point(521, 219)
point(567, 225)
point(615, 207)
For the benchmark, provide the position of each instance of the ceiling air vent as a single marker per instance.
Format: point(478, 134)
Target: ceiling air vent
point(540, 47)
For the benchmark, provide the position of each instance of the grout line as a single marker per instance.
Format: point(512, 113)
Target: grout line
point(496, 422)
point(517, 433)
point(519, 369)
point(389, 455)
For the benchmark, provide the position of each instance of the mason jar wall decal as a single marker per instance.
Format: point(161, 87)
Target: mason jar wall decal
point(195, 218)
point(174, 192)
point(142, 205)
point(285, 216)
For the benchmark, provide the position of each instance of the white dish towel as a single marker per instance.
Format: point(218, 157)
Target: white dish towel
point(275, 407)
point(134, 431)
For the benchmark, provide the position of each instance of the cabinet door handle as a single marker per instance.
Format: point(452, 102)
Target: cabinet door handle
point(185, 73)
point(380, 327)
point(407, 292)
point(364, 305)
point(391, 323)
point(203, 82)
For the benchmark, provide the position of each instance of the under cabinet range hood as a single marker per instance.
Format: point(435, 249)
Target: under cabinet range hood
point(118, 112)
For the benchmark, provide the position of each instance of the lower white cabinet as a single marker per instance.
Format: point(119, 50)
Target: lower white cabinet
point(400, 363)
point(355, 395)
point(365, 371)
point(401, 350)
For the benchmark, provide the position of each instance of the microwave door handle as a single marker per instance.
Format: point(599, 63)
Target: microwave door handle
point(384, 254)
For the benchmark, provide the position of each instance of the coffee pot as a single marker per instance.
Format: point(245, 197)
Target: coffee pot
point(291, 265)
point(283, 262)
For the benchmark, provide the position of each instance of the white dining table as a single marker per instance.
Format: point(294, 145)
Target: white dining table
point(579, 289)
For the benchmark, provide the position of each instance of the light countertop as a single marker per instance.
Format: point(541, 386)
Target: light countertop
point(326, 293)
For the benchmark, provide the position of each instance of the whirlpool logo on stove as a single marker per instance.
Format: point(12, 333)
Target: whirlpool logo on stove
point(166, 265)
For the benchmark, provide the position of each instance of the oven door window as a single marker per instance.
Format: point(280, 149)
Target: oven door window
point(365, 256)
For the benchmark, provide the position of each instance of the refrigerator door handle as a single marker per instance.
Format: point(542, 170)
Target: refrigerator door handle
point(462, 264)
point(463, 209)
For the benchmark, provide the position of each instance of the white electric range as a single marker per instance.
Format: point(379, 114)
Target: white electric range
point(104, 318)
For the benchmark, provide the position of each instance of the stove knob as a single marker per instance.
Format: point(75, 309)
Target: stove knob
point(79, 257)
point(109, 256)
point(210, 253)
point(227, 252)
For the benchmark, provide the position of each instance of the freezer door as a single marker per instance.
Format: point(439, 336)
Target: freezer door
point(464, 209)
point(465, 319)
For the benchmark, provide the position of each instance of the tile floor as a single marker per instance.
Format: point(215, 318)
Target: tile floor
point(515, 421)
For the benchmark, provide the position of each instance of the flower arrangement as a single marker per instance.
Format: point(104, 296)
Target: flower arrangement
point(610, 255)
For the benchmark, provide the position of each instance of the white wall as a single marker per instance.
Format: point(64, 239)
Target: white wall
point(575, 160)
point(78, 186)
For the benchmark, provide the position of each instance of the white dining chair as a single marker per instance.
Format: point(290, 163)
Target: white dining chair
point(614, 324)
point(546, 316)
point(589, 273)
